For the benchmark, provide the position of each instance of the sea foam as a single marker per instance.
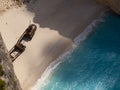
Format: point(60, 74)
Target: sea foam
point(50, 69)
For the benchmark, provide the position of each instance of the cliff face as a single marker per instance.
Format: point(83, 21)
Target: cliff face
point(8, 73)
point(113, 4)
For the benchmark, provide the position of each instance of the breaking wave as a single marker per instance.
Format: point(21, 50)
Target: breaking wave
point(50, 69)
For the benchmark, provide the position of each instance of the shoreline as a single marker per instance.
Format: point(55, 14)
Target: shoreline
point(49, 42)
point(77, 41)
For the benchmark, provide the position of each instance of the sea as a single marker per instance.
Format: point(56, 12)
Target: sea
point(92, 64)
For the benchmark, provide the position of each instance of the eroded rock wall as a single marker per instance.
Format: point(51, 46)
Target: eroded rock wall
point(8, 73)
point(113, 4)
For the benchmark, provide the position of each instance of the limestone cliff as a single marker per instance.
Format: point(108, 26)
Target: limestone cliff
point(8, 73)
point(113, 4)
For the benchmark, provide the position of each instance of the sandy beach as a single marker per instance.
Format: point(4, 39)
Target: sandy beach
point(58, 23)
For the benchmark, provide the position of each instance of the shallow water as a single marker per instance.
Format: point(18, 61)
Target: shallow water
point(94, 64)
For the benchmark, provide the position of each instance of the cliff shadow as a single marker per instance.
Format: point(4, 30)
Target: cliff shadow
point(68, 17)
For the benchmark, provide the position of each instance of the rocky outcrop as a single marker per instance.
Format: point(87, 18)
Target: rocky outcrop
point(113, 4)
point(8, 73)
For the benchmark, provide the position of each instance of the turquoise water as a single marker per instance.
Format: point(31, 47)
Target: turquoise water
point(94, 64)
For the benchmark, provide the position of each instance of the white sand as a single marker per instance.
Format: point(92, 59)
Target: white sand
point(58, 23)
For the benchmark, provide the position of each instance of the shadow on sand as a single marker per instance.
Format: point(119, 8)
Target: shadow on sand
point(68, 17)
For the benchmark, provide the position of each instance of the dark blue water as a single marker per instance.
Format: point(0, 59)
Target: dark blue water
point(94, 64)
